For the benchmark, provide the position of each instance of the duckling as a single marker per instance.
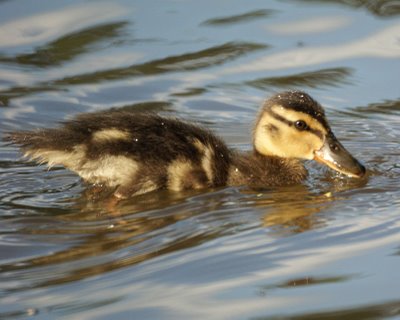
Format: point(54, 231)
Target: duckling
point(135, 153)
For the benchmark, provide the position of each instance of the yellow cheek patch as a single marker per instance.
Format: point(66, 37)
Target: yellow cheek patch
point(284, 140)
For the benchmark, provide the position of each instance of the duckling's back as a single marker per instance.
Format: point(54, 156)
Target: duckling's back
point(135, 153)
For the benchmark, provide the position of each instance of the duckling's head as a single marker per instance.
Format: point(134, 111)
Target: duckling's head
point(293, 125)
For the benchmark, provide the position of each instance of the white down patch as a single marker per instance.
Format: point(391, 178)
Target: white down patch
point(110, 134)
point(207, 155)
point(178, 172)
point(69, 159)
point(111, 170)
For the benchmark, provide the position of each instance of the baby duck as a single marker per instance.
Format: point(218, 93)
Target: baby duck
point(138, 152)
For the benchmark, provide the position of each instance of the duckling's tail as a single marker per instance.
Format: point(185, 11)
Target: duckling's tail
point(29, 141)
point(50, 146)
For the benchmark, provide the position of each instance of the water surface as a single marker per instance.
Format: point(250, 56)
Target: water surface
point(327, 249)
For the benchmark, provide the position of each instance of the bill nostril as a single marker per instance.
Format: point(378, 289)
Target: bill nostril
point(334, 147)
point(363, 170)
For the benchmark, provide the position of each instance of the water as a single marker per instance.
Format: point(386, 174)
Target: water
point(327, 249)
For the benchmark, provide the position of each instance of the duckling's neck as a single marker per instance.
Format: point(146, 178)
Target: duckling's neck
point(257, 170)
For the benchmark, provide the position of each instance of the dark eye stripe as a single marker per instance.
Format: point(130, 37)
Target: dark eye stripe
point(317, 132)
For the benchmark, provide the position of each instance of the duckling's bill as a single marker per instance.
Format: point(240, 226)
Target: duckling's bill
point(335, 156)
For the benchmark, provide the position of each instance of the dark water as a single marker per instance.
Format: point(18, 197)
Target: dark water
point(328, 249)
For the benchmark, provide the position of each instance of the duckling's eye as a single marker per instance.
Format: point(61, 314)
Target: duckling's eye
point(300, 125)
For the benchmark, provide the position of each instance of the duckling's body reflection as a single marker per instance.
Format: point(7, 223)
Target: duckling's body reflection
point(293, 209)
point(155, 224)
point(300, 208)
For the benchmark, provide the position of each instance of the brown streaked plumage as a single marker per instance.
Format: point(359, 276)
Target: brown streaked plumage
point(137, 153)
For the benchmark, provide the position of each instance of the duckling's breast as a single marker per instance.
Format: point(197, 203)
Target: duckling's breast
point(258, 171)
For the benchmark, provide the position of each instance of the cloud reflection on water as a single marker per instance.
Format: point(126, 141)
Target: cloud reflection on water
point(309, 26)
point(52, 24)
point(381, 44)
